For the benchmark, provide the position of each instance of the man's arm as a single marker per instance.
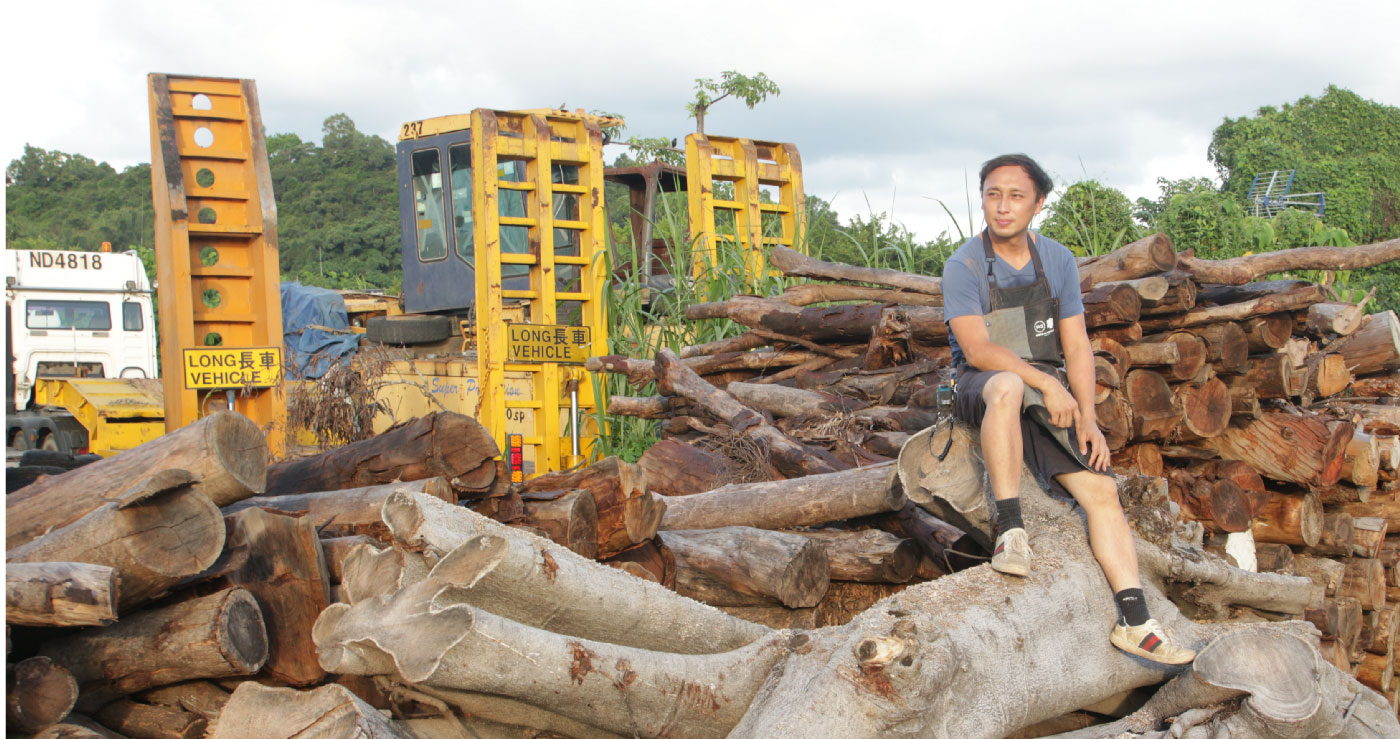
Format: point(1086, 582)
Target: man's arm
point(982, 353)
point(1079, 365)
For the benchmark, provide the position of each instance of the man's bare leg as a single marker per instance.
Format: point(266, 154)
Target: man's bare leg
point(1109, 535)
point(1111, 540)
point(1001, 433)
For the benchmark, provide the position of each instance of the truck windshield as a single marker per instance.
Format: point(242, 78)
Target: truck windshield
point(85, 315)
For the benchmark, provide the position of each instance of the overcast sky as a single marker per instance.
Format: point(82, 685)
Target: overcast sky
point(893, 105)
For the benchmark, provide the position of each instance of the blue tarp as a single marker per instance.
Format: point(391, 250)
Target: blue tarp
point(311, 352)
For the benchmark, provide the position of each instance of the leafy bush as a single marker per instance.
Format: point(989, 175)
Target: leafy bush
point(1090, 219)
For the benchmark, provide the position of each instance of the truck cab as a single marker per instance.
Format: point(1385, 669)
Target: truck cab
point(72, 315)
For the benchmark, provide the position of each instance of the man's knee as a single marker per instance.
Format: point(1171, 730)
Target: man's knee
point(1098, 492)
point(1004, 390)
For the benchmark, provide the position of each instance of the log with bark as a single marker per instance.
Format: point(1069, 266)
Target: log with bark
point(38, 694)
point(224, 453)
point(744, 566)
point(60, 594)
point(1146, 256)
point(444, 444)
point(345, 512)
point(625, 512)
point(1374, 347)
point(567, 517)
point(676, 468)
point(1240, 270)
point(867, 555)
point(797, 264)
point(1301, 449)
point(154, 537)
point(255, 711)
point(783, 504)
point(219, 635)
point(133, 719)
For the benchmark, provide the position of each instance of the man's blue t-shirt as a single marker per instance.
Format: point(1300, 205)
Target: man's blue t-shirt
point(965, 291)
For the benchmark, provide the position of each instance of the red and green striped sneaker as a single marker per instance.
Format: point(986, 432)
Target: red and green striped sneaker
point(1149, 641)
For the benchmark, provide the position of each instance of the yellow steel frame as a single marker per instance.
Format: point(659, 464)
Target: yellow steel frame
point(212, 192)
point(540, 139)
point(748, 165)
point(119, 414)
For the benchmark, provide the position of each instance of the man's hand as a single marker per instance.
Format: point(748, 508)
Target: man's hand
point(1092, 443)
point(1063, 408)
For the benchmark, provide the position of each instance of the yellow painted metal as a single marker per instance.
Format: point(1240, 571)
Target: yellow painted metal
point(119, 414)
point(447, 123)
point(216, 239)
point(729, 178)
point(546, 144)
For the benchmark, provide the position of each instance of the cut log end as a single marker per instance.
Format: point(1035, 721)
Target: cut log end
point(233, 437)
point(243, 634)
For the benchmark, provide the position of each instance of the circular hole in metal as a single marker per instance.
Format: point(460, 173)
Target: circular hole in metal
point(213, 339)
point(212, 298)
point(207, 215)
point(202, 102)
point(203, 137)
point(204, 177)
point(209, 256)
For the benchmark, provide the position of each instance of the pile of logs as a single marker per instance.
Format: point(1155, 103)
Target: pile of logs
point(399, 586)
point(1267, 406)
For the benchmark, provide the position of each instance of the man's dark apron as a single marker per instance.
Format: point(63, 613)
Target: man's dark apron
point(1025, 320)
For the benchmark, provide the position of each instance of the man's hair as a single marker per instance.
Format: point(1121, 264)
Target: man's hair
point(1042, 181)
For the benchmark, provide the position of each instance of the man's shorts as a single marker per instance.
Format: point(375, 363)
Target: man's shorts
point(1044, 456)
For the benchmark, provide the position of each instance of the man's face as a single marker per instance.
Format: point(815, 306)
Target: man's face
point(1009, 201)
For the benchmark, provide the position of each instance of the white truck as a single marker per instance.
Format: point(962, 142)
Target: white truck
point(71, 315)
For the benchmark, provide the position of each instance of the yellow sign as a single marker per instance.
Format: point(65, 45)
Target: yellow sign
point(534, 342)
point(210, 368)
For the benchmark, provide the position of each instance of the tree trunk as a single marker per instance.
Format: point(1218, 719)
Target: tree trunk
point(1153, 353)
point(570, 519)
point(785, 504)
point(789, 457)
point(1326, 375)
point(1377, 386)
point(1387, 629)
point(787, 402)
point(655, 406)
point(1361, 463)
point(1153, 406)
point(1205, 409)
point(1239, 270)
point(1364, 581)
point(219, 635)
point(1341, 319)
point(650, 560)
point(1265, 334)
point(346, 512)
point(536, 582)
point(744, 566)
point(60, 594)
point(1121, 334)
point(152, 722)
point(627, 513)
point(1289, 519)
point(1109, 304)
point(1272, 303)
point(1180, 297)
point(224, 453)
point(1274, 558)
point(1146, 256)
point(1271, 376)
point(1141, 459)
point(1152, 287)
point(1376, 671)
point(676, 468)
point(812, 293)
point(1367, 536)
point(153, 543)
point(1335, 539)
point(1218, 504)
point(38, 694)
point(256, 711)
point(868, 555)
point(1298, 449)
point(1227, 347)
point(797, 264)
point(443, 444)
point(1372, 348)
point(1326, 573)
point(200, 696)
point(77, 726)
point(286, 573)
point(1115, 418)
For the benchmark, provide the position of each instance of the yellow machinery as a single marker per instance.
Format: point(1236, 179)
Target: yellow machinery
point(743, 192)
point(118, 414)
point(216, 253)
point(510, 203)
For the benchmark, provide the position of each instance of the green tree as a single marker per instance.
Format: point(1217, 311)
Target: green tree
point(1149, 212)
point(749, 90)
point(1090, 219)
point(1339, 144)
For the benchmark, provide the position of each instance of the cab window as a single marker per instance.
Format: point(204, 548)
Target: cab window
point(429, 205)
point(459, 158)
point(84, 315)
point(131, 317)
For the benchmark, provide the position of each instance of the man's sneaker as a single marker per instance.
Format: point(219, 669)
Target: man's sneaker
point(1012, 554)
point(1150, 641)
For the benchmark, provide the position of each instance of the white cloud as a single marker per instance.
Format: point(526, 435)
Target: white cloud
point(891, 101)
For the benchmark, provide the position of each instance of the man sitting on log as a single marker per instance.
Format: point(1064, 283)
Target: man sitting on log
point(1016, 320)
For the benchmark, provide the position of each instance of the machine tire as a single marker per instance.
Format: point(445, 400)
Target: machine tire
point(49, 442)
point(409, 329)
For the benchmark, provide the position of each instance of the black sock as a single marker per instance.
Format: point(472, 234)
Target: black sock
point(1009, 515)
point(1132, 607)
